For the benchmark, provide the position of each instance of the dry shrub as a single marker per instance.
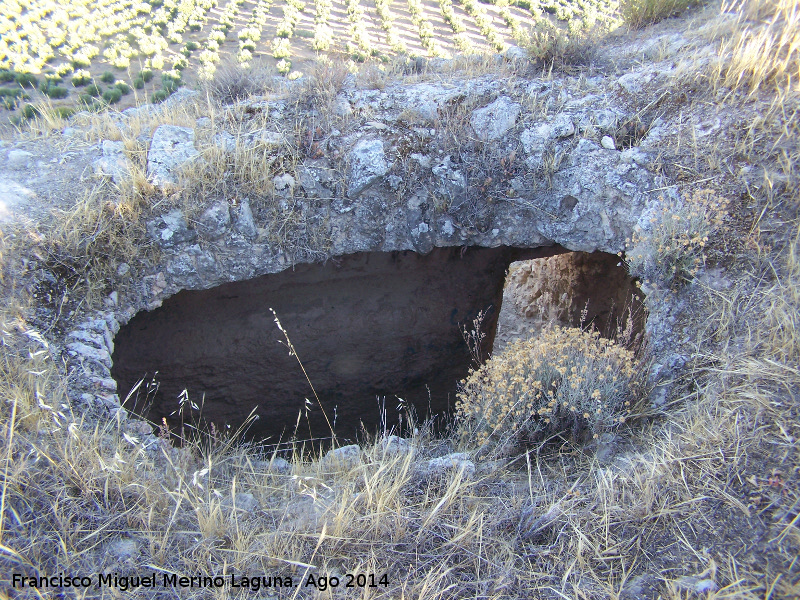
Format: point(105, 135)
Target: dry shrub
point(233, 82)
point(557, 48)
point(564, 380)
point(673, 249)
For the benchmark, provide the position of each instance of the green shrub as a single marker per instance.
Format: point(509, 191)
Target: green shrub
point(138, 83)
point(159, 96)
point(108, 77)
point(28, 80)
point(81, 78)
point(12, 93)
point(146, 75)
point(55, 92)
point(9, 102)
point(7, 76)
point(169, 82)
point(123, 88)
point(112, 95)
point(89, 102)
point(565, 380)
point(93, 90)
point(192, 46)
point(640, 13)
point(81, 62)
point(29, 111)
point(64, 112)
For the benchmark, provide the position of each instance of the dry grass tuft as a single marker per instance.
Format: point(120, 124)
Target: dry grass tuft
point(761, 46)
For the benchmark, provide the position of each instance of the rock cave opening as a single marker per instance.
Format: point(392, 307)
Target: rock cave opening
point(368, 328)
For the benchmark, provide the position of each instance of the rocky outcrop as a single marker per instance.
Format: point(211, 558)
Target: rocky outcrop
point(172, 147)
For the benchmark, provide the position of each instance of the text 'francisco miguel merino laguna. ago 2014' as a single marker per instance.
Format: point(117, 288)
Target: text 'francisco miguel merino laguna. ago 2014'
point(171, 580)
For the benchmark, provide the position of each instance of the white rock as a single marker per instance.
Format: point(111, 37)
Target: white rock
point(562, 126)
point(633, 83)
point(457, 461)
point(367, 165)
point(114, 163)
point(346, 456)
point(608, 143)
point(494, 120)
point(172, 147)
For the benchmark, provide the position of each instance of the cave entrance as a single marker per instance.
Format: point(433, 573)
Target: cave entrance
point(366, 326)
point(369, 328)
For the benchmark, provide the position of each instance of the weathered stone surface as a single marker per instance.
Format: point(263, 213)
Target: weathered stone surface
point(171, 229)
point(494, 120)
point(562, 126)
point(367, 165)
point(344, 457)
point(114, 163)
point(245, 223)
point(457, 461)
point(171, 149)
point(215, 220)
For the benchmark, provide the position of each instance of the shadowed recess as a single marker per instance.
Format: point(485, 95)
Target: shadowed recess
point(365, 326)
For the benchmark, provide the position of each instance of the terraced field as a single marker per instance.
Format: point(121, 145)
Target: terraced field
point(96, 52)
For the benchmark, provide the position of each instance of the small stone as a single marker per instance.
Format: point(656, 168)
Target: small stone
point(494, 120)
point(113, 299)
point(284, 185)
point(608, 143)
point(123, 549)
point(123, 269)
point(562, 126)
point(243, 502)
point(393, 445)
point(341, 107)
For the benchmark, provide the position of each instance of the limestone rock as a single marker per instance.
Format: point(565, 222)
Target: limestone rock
point(172, 147)
point(225, 141)
point(494, 120)
point(608, 143)
point(215, 220)
point(563, 126)
point(392, 445)
point(114, 163)
point(341, 107)
point(515, 53)
point(633, 83)
point(245, 223)
point(367, 165)
point(457, 461)
point(344, 457)
point(284, 185)
point(171, 229)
